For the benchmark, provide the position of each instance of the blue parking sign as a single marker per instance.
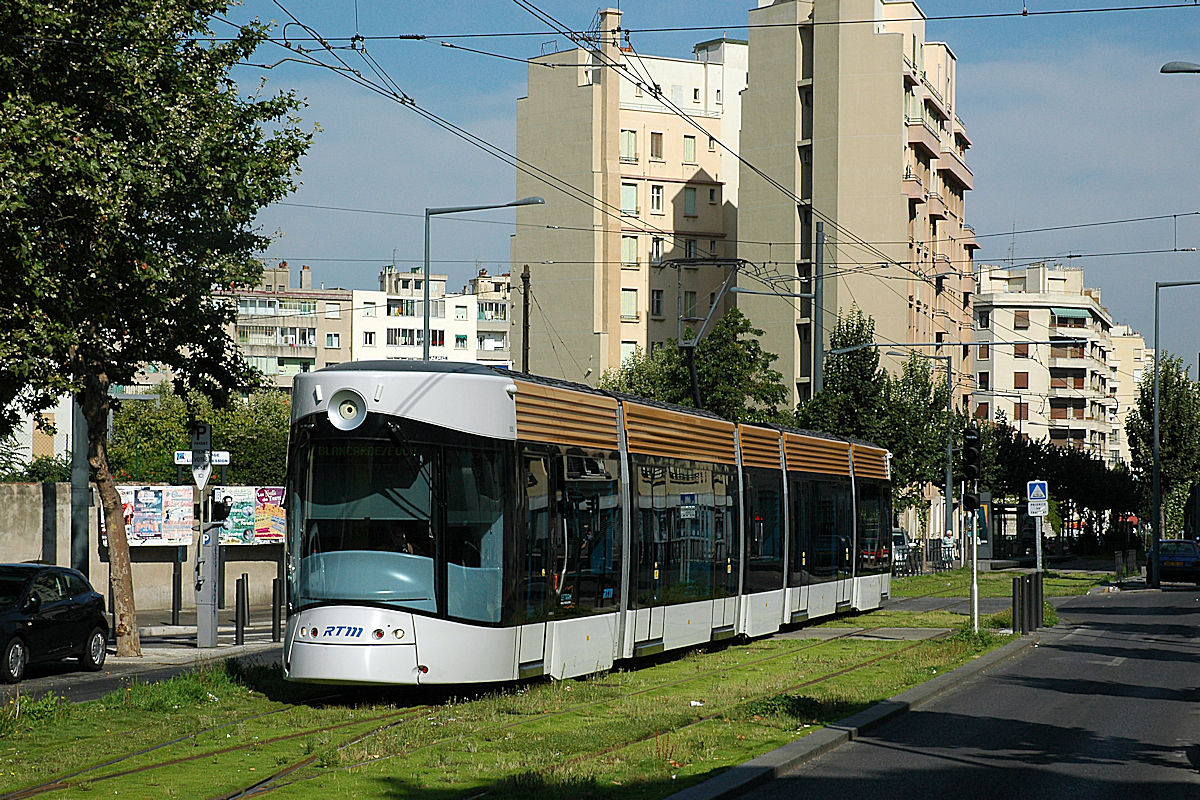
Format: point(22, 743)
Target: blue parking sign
point(1037, 490)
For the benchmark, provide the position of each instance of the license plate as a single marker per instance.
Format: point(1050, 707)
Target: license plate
point(1172, 563)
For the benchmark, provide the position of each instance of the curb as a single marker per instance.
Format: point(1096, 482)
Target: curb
point(768, 766)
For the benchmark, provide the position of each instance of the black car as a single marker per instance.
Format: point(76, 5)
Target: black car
point(48, 613)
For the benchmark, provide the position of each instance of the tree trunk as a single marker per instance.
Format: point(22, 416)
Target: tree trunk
point(94, 401)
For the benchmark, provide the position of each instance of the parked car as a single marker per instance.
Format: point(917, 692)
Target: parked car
point(48, 613)
point(1180, 560)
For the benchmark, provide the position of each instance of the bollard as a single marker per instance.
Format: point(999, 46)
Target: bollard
point(1039, 615)
point(239, 612)
point(276, 610)
point(1018, 610)
point(1029, 616)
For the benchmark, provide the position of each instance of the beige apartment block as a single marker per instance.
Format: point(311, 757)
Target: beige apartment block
point(493, 318)
point(1130, 360)
point(646, 185)
point(284, 330)
point(1060, 391)
point(852, 111)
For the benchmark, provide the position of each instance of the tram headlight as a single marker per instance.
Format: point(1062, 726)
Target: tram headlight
point(347, 410)
point(377, 633)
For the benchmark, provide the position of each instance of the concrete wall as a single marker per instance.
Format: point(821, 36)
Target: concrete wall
point(35, 525)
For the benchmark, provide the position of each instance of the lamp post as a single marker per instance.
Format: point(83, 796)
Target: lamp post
point(429, 212)
point(1179, 66)
point(1156, 483)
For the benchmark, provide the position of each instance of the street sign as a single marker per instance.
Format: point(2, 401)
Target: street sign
point(1039, 508)
point(1037, 490)
point(201, 453)
point(219, 458)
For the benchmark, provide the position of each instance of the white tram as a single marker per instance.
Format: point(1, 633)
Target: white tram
point(452, 523)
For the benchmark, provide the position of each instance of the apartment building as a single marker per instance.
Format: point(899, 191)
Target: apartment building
point(1129, 361)
point(857, 121)
point(650, 183)
point(493, 318)
point(1063, 390)
point(284, 330)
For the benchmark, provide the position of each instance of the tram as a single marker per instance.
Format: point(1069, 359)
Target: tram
point(454, 523)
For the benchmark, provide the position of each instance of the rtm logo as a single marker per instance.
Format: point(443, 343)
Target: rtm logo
point(342, 630)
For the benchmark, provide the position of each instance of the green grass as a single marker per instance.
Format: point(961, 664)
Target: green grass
point(957, 583)
point(887, 618)
point(643, 732)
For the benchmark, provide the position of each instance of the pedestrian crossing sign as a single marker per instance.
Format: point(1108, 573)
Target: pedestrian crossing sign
point(1037, 490)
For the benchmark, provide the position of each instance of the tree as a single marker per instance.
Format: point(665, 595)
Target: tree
point(1179, 436)
point(849, 402)
point(733, 371)
point(254, 431)
point(913, 408)
point(131, 170)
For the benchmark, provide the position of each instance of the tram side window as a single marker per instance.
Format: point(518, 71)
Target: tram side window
point(822, 509)
point(571, 550)
point(764, 530)
point(685, 531)
point(801, 555)
point(874, 512)
point(475, 493)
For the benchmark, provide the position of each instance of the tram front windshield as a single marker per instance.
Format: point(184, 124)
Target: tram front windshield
point(397, 522)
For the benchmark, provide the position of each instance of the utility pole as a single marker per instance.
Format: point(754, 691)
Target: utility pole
point(525, 319)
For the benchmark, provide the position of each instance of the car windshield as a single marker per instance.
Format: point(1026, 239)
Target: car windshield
point(1179, 548)
point(11, 587)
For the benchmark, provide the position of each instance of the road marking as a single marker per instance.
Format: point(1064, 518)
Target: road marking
point(1116, 661)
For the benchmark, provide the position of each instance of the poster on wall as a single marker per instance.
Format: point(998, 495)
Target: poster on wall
point(256, 515)
point(155, 515)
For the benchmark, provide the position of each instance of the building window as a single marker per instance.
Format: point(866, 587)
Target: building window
point(1021, 319)
point(982, 411)
point(368, 338)
point(983, 319)
point(689, 248)
point(985, 352)
point(368, 309)
point(689, 201)
point(656, 249)
point(712, 145)
point(460, 312)
point(1021, 351)
point(1021, 411)
point(437, 338)
point(689, 305)
point(656, 302)
point(656, 199)
point(1020, 380)
point(629, 199)
point(712, 195)
point(718, 96)
point(629, 304)
point(629, 251)
point(689, 149)
point(712, 246)
point(460, 341)
point(656, 146)
point(985, 380)
point(696, 95)
point(627, 350)
point(333, 311)
point(628, 145)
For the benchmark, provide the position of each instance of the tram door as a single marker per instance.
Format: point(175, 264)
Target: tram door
point(538, 561)
point(844, 542)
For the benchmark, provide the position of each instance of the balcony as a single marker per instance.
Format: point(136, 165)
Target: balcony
point(923, 136)
point(912, 75)
point(913, 187)
point(953, 167)
point(934, 99)
point(937, 207)
point(968, 238)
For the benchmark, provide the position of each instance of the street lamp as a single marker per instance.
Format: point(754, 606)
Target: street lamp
point(1156, 490)
point(429, 212)
point(1179, 66)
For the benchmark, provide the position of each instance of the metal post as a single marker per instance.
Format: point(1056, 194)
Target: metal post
point(1156, 490)
point(425, 311)
point(525, 319)
point(975, 569)
point(818, 365)
point(239, 612)
point(949, 450)
point(1018, 609)
point(177, 584)
point(80, 490)
point(276, 610)
point(206, 576)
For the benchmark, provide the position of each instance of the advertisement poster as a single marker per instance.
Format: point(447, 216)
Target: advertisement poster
point(156, 515)
point(256, 516)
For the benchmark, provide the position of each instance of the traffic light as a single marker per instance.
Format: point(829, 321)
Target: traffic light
point(970, 501)
point(972, 454)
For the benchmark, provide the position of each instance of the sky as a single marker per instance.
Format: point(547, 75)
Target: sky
point(1071, 122)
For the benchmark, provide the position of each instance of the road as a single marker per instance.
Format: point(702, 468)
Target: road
point(1107, 706)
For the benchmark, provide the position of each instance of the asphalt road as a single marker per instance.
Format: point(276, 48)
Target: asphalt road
point(1107, 706)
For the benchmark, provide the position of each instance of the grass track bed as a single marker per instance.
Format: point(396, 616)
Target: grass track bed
point(644, 732)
